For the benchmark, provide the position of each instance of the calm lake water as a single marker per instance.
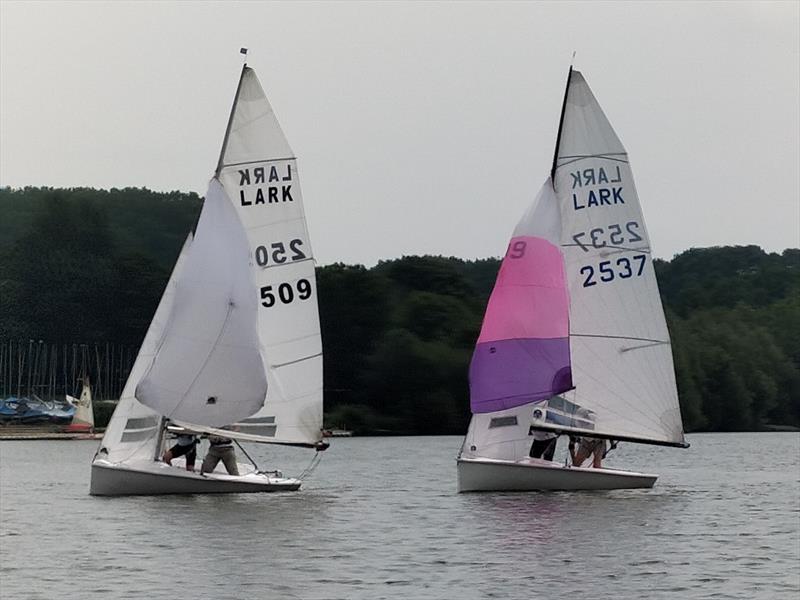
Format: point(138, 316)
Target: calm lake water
point(380, 518)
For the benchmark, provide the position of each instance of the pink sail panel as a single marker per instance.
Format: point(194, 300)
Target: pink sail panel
point(522, 353)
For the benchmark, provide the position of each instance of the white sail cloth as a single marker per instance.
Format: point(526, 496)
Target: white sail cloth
point(621, 354)
point(207, 368)
point(259, 173)
point(133, 431)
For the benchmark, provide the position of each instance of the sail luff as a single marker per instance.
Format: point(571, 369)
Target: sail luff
point(230, 122)
point(560, 126)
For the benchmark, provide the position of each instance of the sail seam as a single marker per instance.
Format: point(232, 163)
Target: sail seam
point(604, 254)
point(287, 264)
point(255, 162)
point(604, 154)
point(574, 160)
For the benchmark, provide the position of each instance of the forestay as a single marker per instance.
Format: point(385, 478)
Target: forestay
point(207, 368)
point(621, 354)
point(259, 172)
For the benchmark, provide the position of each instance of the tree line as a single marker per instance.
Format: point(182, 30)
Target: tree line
point(88, 266)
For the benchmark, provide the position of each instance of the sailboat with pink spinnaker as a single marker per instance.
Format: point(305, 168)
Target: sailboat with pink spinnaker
point(574, 341)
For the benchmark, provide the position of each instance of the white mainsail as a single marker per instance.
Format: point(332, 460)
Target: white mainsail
point(621, 353)
point(84, 411)
point(259, 173)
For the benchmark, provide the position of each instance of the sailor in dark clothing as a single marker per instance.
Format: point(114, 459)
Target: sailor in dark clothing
point(186, 445)
point(544, 445)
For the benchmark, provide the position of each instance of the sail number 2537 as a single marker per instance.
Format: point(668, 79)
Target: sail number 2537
point(607, 270)
point(286, 293)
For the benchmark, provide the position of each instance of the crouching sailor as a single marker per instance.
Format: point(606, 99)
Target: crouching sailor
point(186, 445)
point(220, 449)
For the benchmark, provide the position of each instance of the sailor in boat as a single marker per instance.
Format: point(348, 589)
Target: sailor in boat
point(185, 445)
point(586, 447)
point(220, 449)
point(544, 445)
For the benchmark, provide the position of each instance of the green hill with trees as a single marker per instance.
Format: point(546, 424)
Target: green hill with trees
point(85, 265)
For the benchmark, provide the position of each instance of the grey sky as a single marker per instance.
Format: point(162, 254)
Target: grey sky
point(418, 127)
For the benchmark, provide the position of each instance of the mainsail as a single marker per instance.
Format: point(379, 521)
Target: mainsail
point(259, 172)
point(621, 352)
point(574, 338)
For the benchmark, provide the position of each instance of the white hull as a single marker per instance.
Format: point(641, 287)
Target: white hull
point(154, 478)
point(489, 475)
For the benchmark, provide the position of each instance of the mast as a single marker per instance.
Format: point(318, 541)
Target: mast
point(230, 117)
point(560, 126)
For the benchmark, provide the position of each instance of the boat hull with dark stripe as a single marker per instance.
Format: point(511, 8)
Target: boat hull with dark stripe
point(155, 478)
point(490, 475)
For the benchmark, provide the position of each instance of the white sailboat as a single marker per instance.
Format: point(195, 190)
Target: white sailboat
point(83, 420)
point(234, 348)
point(574, 340)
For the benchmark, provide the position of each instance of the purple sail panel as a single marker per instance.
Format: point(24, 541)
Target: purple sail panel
point(508, 373)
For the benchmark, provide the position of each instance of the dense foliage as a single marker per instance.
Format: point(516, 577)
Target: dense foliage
point(89, 265)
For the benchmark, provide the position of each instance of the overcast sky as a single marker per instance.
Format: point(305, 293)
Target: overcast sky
point(420, 128)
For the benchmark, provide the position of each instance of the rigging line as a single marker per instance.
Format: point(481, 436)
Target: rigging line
point(315, 460)
point(250, 458)
point(255, 162)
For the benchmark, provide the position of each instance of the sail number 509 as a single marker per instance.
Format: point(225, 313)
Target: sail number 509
point(285, 292)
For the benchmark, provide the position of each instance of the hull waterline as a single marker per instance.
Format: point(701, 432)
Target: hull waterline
point(110, 479)
point(487, 475)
